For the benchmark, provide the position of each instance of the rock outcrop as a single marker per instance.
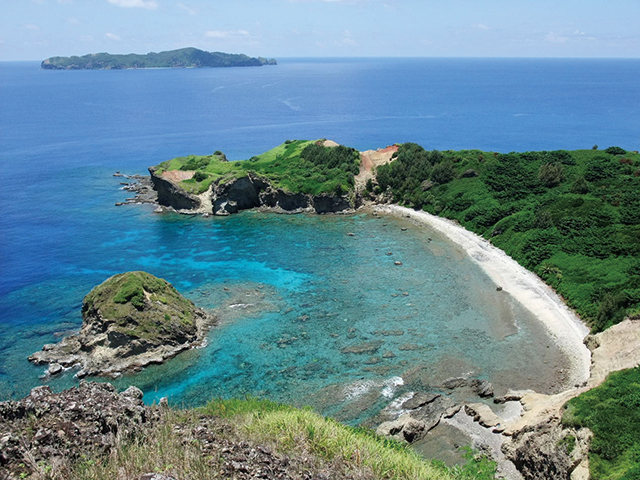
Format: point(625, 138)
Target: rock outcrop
point(45, 426)
point(228, 196)
point(548, 451)
point(47, 435)
point(129, 321)
point(171, 195)
point(425, 413)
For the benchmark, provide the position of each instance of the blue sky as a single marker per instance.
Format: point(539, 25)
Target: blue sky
point(37, 29)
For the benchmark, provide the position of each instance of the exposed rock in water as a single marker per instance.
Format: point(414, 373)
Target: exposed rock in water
point(427, 410)
point(131, 320)
point(368, 347)
point(483, 388)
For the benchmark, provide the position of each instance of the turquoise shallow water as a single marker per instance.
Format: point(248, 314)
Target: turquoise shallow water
point(299, 290)
point(293, 292)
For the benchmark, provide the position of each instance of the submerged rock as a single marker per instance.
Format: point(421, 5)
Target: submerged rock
point(131, 320)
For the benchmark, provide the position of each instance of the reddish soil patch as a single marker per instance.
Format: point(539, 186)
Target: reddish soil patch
point(178, 175)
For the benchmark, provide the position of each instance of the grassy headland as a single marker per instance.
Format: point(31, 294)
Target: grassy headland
point(295, 166)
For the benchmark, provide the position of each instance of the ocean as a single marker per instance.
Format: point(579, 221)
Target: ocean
point(293, 292)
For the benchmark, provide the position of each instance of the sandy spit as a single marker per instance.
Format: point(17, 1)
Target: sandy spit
point(563, 325)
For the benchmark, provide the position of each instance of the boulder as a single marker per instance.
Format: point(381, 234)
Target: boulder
point(482, 388)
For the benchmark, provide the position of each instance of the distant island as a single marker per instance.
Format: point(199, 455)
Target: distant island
point(181, 58)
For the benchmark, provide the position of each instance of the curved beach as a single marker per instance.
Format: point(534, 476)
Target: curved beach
point(563, 325)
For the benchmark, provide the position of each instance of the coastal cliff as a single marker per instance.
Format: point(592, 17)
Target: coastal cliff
point(298, 176)
point(129, 321)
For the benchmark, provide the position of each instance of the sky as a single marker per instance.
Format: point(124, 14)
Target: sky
point(38, 29)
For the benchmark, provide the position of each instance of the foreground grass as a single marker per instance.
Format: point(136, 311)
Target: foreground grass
point(612, 412)
point(304, 431)
point(161, 450)
point(169, 447)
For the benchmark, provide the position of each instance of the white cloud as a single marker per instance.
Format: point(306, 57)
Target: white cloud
point(188, 9)
point(73, 20)
point(112, 36)
point(65, 2)
point(31, 26)
point(226, 33)
point(556, 38)
point(481, 26)
point(148, 4)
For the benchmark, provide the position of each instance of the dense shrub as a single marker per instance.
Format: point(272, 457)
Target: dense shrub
point(573, 217)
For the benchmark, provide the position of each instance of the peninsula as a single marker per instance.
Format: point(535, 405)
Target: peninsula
point(181, 58)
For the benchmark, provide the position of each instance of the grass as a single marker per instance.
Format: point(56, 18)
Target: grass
point(302, 431)
point(310, 440)
point(143, 297)
point(296, 166)
point(159, 451)
point(612, 412)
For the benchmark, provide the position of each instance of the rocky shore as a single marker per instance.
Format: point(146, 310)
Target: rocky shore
point(131, 320)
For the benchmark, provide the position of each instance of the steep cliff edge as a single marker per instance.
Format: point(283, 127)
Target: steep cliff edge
point(131, 320)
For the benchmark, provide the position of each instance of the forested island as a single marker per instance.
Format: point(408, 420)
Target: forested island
point(181, 58)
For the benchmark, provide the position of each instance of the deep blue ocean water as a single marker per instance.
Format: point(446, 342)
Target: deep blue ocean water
point(314, 290)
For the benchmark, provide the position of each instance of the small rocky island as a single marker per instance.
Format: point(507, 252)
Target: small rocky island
point(129, 321)
point(181, 58)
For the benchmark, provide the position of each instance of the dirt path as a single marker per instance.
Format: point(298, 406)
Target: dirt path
point(371, 159)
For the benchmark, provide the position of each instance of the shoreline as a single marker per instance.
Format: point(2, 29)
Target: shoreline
point(564, 327)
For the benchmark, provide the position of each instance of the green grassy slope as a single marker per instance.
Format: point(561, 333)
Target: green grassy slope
point(571, 217)
point(295, 166)
point(612, 412)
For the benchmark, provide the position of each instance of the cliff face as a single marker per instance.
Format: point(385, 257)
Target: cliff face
point(171, 195)
point(251, 191)
point(129, 321)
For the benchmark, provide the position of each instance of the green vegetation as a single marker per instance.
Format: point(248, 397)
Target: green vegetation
point(572, 217)
point(140, 305)
point(184, 57)
point(311, 441)
point(612, 412)
point(297, 166)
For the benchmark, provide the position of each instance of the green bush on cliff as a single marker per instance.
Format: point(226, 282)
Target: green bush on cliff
point(571, 217)
point(612, 412)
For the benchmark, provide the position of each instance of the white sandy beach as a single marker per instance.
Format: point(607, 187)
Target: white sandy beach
point(565, 328)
